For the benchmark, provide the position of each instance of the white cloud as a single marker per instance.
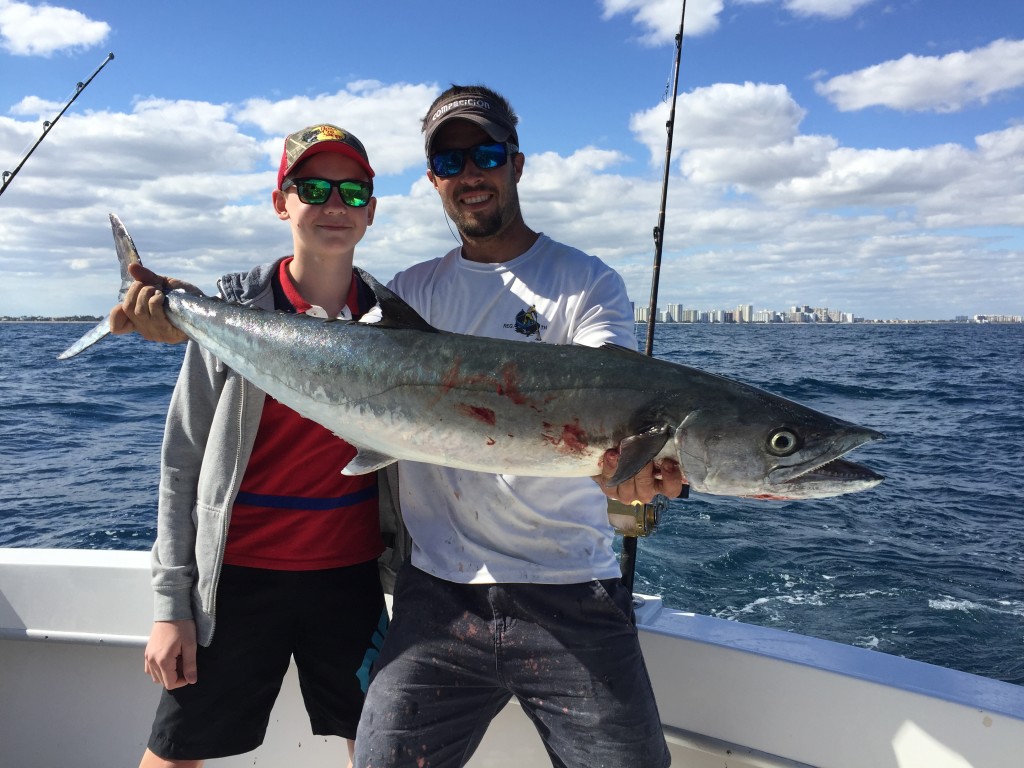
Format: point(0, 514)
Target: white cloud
point(387, 116)
point(720, 116)
point(30, 30)
point(830, 9)
point(882, 178)
point(34, 106)
point(931, 83)
point(158, 139)
point(660, 18)
point(751, 168)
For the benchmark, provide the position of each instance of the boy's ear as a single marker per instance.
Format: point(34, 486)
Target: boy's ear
point(278, 198)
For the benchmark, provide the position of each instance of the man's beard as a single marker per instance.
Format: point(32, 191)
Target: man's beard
point(481, 225)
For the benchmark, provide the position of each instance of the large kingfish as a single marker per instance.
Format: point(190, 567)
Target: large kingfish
point(401, 389)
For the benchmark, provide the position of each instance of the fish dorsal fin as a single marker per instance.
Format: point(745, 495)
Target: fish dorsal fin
point(394, 311)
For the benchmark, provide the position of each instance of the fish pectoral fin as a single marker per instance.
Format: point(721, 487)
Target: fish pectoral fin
point(366, 461)
point(636, 451)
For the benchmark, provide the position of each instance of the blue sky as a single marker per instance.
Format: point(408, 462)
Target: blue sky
point(861, 155)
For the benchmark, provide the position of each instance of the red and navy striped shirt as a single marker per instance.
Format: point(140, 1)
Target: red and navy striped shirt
point(295, 511)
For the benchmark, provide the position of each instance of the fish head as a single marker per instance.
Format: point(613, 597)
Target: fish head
point(771, 448)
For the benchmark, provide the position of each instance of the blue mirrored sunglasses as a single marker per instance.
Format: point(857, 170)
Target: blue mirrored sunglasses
point(450, 162)
point(354, 193)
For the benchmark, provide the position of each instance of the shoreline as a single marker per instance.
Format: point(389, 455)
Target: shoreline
point(81, 320)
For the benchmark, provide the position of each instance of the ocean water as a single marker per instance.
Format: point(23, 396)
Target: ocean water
point(928, 565)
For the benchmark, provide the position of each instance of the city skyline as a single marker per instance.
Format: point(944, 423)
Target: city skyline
point(745, 313)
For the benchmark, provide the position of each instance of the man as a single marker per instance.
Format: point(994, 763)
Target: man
point(513, 588)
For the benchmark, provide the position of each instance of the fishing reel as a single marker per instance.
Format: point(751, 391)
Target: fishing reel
point(636, 520)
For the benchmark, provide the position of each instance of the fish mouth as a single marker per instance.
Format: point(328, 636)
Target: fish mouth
point(838, 471)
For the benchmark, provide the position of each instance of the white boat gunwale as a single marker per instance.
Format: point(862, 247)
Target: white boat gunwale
point(755, 697)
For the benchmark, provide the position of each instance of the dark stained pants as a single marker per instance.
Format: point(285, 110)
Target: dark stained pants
point(455, 654)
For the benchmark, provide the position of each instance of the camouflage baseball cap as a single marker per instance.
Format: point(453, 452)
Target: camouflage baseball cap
point(321, 138)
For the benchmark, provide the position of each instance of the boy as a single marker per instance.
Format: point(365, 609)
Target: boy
point(259, 535)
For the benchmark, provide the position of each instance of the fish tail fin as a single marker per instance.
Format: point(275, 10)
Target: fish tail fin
point(100, 330)
point(126, 254)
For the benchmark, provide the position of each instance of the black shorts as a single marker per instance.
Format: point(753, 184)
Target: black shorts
point(331, 621)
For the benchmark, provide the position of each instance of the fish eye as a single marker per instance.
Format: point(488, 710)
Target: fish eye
point(783, 442)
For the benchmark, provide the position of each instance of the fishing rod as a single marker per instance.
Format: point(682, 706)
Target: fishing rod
point(8, 176)
point(651, 512)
